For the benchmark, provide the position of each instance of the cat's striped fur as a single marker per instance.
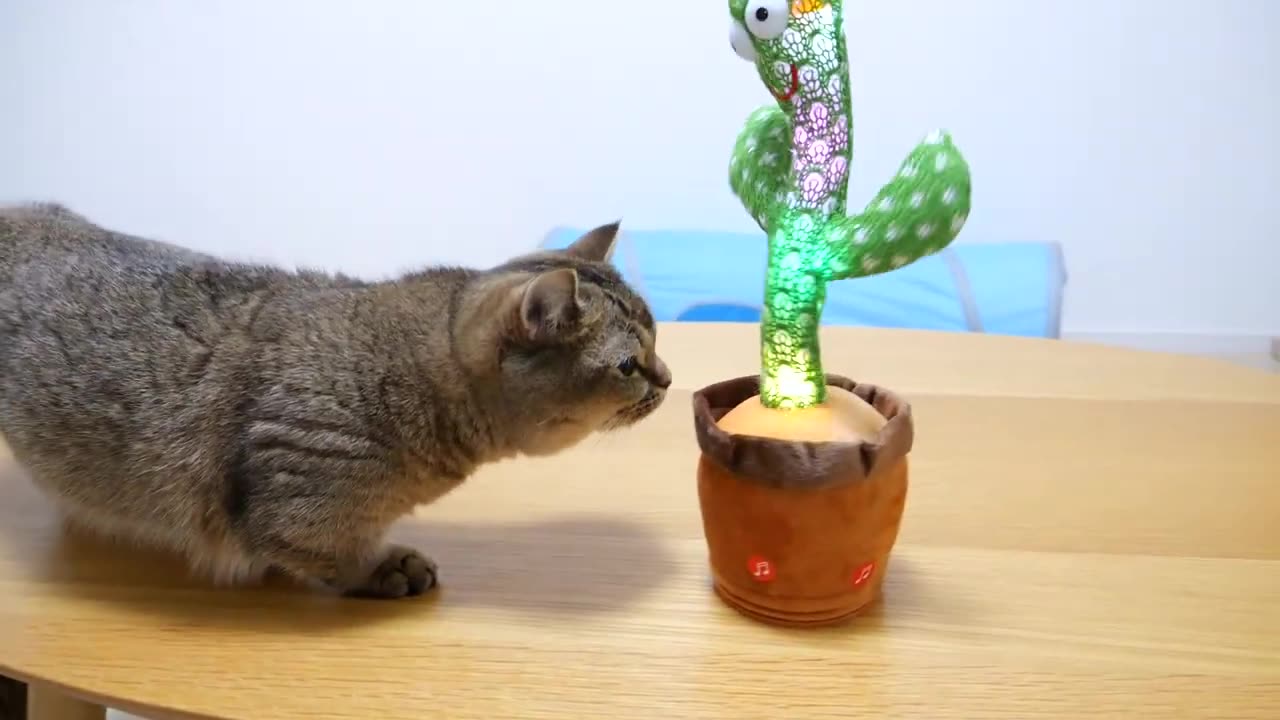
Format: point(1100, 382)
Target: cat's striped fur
point(254, 418)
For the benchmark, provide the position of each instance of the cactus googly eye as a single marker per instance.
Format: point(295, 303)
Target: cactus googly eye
point(766, 19)
point(740, 39)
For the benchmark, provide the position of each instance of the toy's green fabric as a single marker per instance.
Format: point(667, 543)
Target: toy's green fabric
point(790, 168)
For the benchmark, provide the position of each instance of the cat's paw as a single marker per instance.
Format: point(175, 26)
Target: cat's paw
point(404, 572)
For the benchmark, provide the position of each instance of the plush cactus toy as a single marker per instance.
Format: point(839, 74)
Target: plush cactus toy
point(790, 168)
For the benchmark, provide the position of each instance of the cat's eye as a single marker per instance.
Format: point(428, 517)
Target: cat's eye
point(629, 366)
point(766, 19)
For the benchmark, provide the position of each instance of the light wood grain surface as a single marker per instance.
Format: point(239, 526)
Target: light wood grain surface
point(1090, 532)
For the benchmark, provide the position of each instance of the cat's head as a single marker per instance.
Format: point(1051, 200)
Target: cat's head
point(575, 345)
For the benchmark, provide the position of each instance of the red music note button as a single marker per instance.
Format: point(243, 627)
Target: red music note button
point(863, 574)
point(760, 568)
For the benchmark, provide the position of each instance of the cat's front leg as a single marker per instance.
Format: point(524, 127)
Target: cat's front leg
point(403, 572)
point(319, 542)
point(390, 572)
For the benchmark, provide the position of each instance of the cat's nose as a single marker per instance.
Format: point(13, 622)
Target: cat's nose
point(661, 375)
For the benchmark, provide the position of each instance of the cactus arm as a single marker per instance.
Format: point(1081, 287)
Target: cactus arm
point(918, 213)
point(758, 166)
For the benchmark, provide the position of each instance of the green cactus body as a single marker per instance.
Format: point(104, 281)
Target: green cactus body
point(790, 169)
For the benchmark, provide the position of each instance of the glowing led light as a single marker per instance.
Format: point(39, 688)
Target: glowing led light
point(791, 384)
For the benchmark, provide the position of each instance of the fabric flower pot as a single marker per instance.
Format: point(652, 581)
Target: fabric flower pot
point(800, 532)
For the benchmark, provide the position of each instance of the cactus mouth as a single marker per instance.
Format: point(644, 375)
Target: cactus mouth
point(792, 89)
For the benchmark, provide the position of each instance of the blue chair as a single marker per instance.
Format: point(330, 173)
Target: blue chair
point(708, 276)
point(719, 312)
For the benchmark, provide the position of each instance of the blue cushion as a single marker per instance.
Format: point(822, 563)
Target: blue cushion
point(719, 312)
point(698, 275)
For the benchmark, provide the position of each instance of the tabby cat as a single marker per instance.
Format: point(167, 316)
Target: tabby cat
point(254, 419)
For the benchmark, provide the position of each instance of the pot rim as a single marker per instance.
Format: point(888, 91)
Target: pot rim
point(796, 464)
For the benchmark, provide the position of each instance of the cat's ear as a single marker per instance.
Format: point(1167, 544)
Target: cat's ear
point(597, 245)
point(549, 305)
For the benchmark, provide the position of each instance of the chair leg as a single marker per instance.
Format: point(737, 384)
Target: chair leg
point(45, 702)
point(13, 699)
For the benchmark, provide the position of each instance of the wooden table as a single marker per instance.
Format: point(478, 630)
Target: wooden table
point(1090, 532)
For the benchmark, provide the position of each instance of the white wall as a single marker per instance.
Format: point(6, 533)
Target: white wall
point(380, 135)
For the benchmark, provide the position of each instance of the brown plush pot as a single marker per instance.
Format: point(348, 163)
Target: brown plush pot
point(799, 533)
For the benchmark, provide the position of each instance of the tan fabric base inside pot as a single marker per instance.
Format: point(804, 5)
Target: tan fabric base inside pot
point(844, 417)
